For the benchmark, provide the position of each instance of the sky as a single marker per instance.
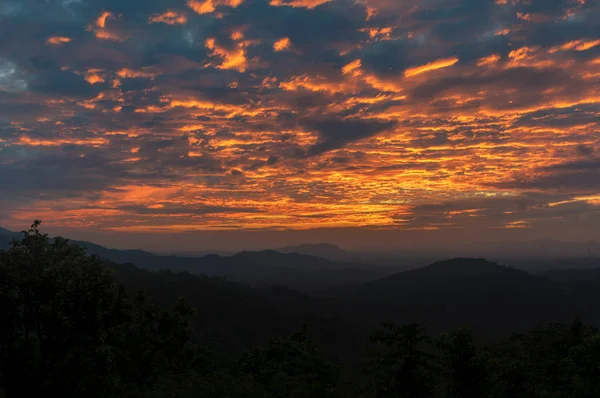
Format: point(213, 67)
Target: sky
point(246, 123)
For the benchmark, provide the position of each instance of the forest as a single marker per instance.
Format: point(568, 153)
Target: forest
point(75, 324)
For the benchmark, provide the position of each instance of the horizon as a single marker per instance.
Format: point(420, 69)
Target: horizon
point(497, 249)
point(222, 125)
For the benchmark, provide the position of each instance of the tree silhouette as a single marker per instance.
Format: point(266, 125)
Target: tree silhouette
point(68, 329)
point(404, 366)
point(465, 366)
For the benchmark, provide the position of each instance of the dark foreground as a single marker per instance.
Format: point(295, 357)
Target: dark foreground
point(75, 325)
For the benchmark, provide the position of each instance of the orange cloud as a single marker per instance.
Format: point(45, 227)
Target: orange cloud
point(209, 6)
point(435, 65)
point(298, 3)
point(313, 83)
point(352, 68)
point(30, 141)
point(126, 73)
point(489, 60)
point(379, 33)
point(234, 58)
point(101, 21)
point(93, 76)
point(576, 45)
point(58, 40)
point(237, 35)
point(105, 35)
point(101, 31)
point(282, 44)
point(169, 18)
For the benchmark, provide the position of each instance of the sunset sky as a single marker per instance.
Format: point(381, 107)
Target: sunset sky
point(259, 121)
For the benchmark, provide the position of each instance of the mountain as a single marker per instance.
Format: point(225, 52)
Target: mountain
point(230, 317)
point(491, 298)
point(325, 250)
point(573, 275)
point(540, 265)
point(538, 248)
point(296, 260)
point(256, 269)
point(6, 237)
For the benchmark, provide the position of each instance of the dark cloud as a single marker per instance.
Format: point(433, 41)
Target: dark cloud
point(62, 83)
point(578, 165)
point(335, 132)
point(329, 131)
point(527, 80)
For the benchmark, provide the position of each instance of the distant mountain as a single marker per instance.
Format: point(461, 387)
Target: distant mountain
point(256, 269)
point(463, 274)
point(231, 318)
point(325, 250)
point(540, 265)
point(6, 237)
point(493, 299)
point(538, 248)
point(573, 275)
point(295, 260)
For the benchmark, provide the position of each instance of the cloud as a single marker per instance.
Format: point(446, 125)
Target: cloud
point(298, 114)
point(437, 64)
point(209, 6)
point(11, 79)
point(282, 44)
point(298, 3)
point(169, 18)
point(335, 132)
point(57, 40)
point(232, 57)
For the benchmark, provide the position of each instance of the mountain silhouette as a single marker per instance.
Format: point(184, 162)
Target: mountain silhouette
point(256, 269)
point(491, 298)
point(295, 260)
point(573, 275)
point(325, 250)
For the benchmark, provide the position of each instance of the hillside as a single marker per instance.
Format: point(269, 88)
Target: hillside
point(231, 318)
point(573, 275)
point(325, 250)
point(493, 299)
point(257, 269)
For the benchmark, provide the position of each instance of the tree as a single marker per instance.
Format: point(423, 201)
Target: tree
point(292, 368)
point(68, 329)
point(405, 366)
point(466, 367)
point(582, 367)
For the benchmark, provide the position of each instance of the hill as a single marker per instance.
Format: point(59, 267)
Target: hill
point(548, 249)
point(573, 275)
point(324, 250)
point(257, 269)
point(491, 298)
point(231, 318)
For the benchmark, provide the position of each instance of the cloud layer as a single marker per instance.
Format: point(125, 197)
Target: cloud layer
point(298, 114)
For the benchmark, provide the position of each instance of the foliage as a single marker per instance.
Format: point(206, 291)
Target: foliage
point(292, 368)
point(464, 364)
point(405, 365)
point(67, 328)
